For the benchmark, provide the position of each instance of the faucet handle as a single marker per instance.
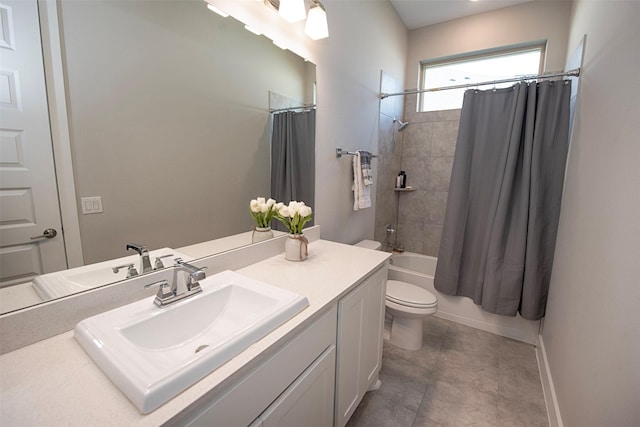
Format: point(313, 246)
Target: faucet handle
point(158, 262)
point(164, 292)
point(161, 283)
point(131, 270)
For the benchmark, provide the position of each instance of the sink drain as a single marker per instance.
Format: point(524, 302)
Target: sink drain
point(202, 347)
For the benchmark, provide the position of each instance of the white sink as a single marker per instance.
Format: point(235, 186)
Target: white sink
point(152, 354)
point(68, 282)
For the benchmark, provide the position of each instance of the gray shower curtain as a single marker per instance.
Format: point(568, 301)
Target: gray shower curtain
point(293, 144)
point(504, 197)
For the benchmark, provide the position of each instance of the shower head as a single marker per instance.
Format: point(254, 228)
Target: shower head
point(401, 125)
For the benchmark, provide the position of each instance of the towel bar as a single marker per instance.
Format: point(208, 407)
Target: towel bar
point(340, 152)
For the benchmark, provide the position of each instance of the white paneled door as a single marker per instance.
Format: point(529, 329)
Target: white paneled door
point(31, 240)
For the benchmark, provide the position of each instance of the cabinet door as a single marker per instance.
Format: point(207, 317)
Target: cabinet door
point(372, 332)
point(351, 320)
point(309, 400)
point(360, 323)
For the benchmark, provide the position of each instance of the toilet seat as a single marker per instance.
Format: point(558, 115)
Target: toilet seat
point(409, 295)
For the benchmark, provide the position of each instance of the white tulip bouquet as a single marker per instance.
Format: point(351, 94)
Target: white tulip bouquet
point(262, 211)
point(294, 216)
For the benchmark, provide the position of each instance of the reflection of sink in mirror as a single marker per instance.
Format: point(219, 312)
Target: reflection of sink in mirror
point(67, 282)
point(151, 354)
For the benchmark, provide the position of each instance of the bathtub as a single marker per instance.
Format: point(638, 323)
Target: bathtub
point(419, 270)
point(413, 264)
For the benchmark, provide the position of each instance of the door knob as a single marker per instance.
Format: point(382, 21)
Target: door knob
point(49, 233)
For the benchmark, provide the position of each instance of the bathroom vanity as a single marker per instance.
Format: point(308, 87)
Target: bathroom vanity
point(312, 370)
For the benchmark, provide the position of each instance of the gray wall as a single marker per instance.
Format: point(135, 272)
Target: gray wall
point(389, 159)
point(424, 150)
point(427, 158)
point(364, 38)
point(591, 331)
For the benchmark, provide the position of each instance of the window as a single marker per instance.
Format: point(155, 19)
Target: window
point(474, 68)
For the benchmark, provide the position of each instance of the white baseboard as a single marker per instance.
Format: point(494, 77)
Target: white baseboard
point(550, 399)
point(499, 329)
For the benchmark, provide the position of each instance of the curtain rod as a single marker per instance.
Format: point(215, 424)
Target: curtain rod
point(292, 108)
point(574, 73)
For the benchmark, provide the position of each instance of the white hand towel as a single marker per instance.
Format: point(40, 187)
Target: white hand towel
point(361, 192)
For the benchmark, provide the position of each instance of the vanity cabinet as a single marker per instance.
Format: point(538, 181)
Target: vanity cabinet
point(317, 378)
point(303, 367)
point(359, 356)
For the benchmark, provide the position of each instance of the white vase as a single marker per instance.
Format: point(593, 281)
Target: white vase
point(260, 234)
point(296, 247)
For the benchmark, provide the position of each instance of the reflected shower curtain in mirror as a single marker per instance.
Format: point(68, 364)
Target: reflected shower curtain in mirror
point(504, 197)
point(293, 144)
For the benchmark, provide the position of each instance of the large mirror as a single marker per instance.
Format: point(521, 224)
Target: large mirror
point(169, 118)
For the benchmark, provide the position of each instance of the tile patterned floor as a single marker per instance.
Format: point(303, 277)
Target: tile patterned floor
point(461, 377)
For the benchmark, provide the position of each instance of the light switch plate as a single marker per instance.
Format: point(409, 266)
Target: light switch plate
point(91, 205)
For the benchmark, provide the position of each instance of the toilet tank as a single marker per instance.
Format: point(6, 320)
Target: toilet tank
point(369, 244)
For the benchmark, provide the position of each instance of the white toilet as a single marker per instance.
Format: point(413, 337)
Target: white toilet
point(407, 305)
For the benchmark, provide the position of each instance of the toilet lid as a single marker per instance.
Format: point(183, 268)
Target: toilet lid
point(410, 295)
point(369, 244)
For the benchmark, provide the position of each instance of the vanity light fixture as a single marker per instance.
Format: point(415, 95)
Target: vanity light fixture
point(216, 10)
point(316, 27)
point(292, 10)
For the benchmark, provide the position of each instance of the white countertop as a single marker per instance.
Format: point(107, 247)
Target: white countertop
point(54, 382)
point(222, 244)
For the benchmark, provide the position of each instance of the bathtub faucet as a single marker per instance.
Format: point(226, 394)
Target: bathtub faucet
point(396, 247)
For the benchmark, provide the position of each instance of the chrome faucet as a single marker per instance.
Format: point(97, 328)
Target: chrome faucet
point(394, 246)
point(145, 263)
point(181, 287)
point(194, 275)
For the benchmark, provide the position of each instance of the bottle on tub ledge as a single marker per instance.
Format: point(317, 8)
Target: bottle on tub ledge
point(401, 180)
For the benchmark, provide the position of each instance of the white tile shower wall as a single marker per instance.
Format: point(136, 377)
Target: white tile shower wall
point(427, 158)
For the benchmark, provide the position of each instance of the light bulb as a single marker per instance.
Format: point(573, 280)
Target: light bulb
point(292, 10)
point(316, 26)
